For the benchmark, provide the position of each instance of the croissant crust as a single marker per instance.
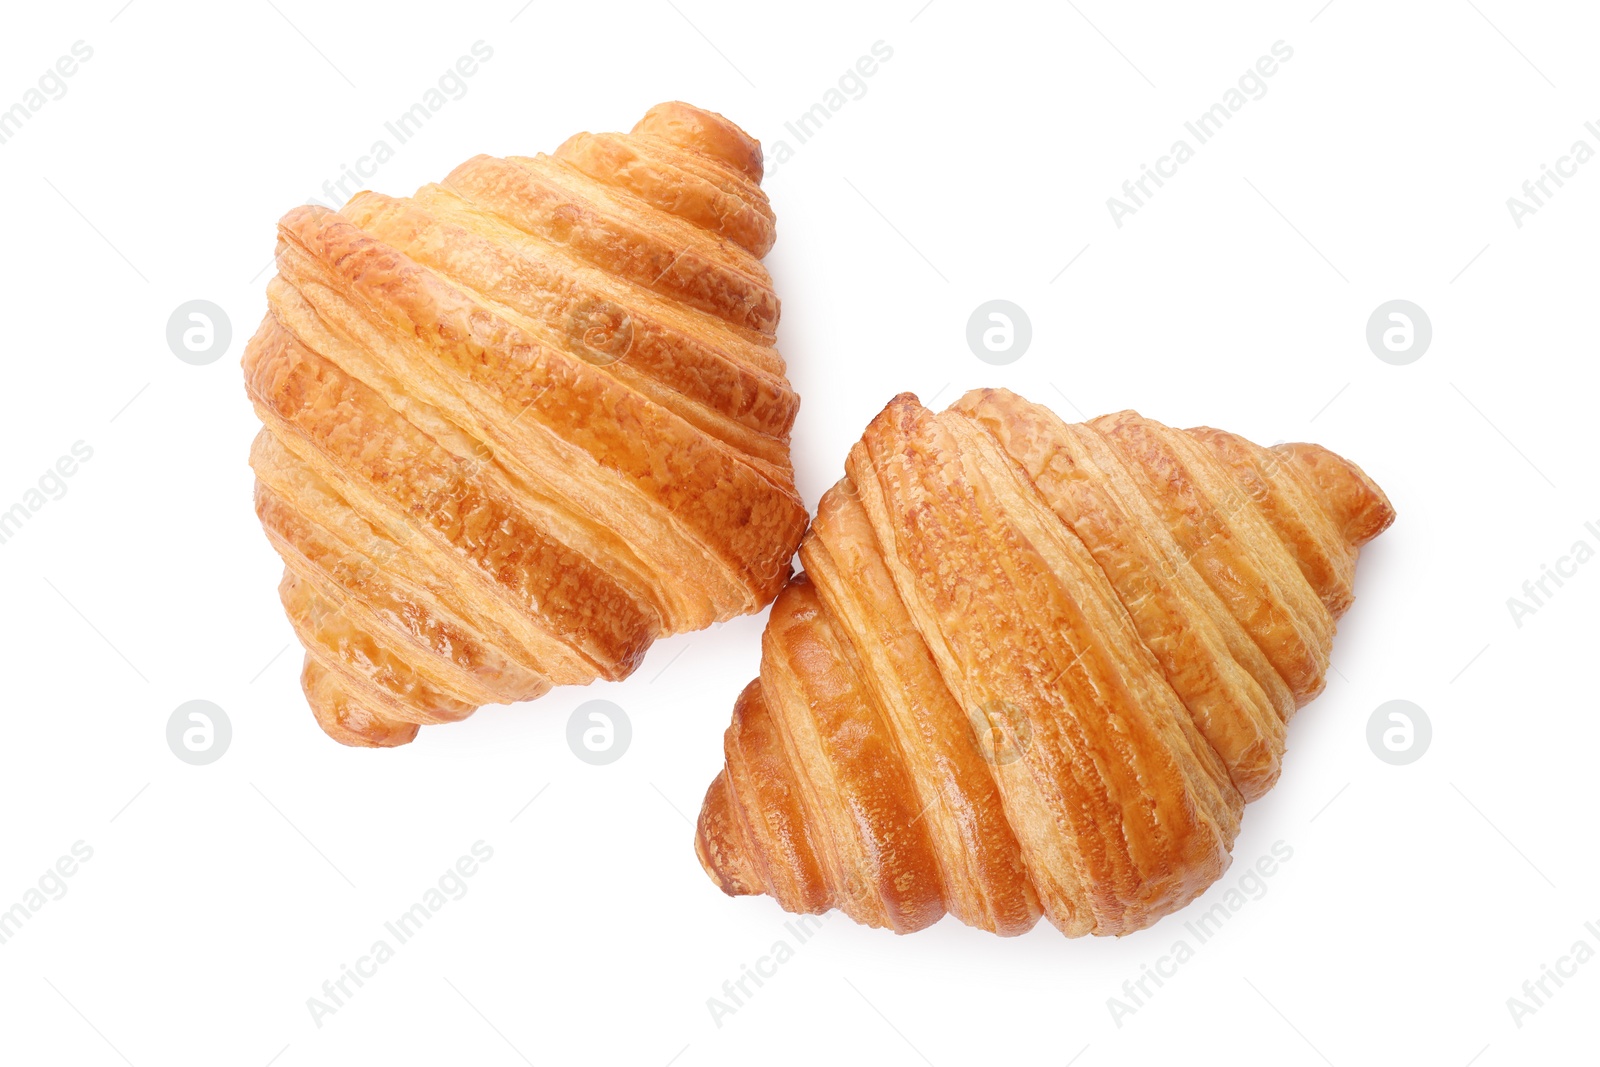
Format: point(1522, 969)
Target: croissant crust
point(520, 424)
point(1033, 668)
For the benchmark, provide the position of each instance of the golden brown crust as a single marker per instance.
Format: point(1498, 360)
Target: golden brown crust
point(623, 236)
point(1032, 668)
point(520, 425)
point(1229, 542)
point(980, 860)
point(700, 190)
point(704, 134)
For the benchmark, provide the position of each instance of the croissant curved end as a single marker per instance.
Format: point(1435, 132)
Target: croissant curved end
point(1033, 669)
point(704, 131)
point(729, 867)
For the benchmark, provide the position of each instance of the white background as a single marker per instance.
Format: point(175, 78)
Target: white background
point(976, 166)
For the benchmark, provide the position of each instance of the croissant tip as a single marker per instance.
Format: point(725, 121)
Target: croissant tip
point(902, 404)
point(299, 214)
point(706, 132)
point(703, 855)
point(719, 843)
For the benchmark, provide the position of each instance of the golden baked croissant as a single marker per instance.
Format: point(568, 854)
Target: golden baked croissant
point(1033, 668)
point(523, 423)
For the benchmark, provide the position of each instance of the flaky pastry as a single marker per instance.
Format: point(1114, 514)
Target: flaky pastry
point(1033, 668)
point(521, 424)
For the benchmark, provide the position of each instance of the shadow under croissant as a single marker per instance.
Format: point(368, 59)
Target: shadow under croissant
point(524, 422)
point(1033, 668)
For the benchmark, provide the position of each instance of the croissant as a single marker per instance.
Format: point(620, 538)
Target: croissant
point(521, 424)
point(1033, 668)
